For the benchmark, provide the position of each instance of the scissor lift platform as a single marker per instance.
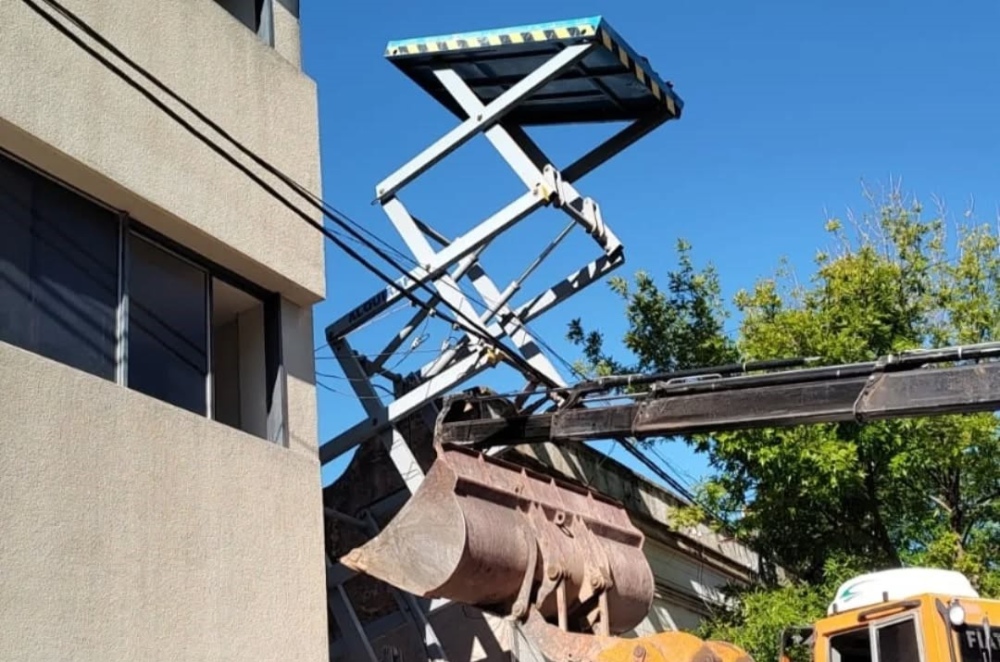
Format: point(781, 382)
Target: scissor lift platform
point(497, 83)
point(610, 83)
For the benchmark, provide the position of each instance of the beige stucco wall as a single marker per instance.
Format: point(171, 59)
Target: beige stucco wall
point(287, 34)
point(62, 110)
point(132, 530)
point(300, 382)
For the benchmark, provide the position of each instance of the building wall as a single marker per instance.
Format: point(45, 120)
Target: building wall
point(132, 531)
point(131, 527)
point(68, 114)
point(687, 587)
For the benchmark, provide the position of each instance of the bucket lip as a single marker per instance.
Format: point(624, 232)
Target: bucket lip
point(435, 496)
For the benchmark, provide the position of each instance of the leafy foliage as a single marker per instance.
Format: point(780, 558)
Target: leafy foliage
point(818, 499)
point(761, 612)
point(681, 327)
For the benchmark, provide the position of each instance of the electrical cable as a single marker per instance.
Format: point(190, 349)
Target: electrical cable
point(659, 471)
point(315, 200)
point(469, 327)
point(725, 525)
point(339, 218)
point(683, 476)
point(328, 210)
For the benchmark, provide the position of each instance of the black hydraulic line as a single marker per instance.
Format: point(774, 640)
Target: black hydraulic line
point(727, 376)
point(471, 324)
point(617, 381)
point(771, 379)
point(976, 352)
point(896, 362)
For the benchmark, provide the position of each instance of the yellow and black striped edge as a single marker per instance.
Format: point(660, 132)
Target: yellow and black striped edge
point(488, 40)
point(661, 90)
point(594, 29)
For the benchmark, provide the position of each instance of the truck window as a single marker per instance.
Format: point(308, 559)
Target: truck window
point(893, 641)
point(853, 646)
point(897, 642)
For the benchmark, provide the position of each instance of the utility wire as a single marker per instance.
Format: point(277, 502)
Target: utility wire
point(316, 200)
point(469, 326)
point(340, 219)
point(328, 210)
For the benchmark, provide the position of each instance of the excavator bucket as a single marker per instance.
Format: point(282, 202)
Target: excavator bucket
point(492, 534)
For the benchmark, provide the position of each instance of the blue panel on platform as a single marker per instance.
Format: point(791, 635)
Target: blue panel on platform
point(611, 83)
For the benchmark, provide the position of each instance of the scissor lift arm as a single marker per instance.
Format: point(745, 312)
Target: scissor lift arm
point(950, 380)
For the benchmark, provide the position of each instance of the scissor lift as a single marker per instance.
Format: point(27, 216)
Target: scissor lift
point(497, 83)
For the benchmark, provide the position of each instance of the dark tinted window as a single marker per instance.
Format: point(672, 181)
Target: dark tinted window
point(168, 319)
point(852, 646)
point(248, 12)
point(60, 257)
point(897, 642)
point(58, 272)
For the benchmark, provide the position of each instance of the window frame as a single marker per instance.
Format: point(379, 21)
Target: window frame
point(272, 345)
point(265, 19)
point(913, 616)
point(873, 627)
point(130, 228)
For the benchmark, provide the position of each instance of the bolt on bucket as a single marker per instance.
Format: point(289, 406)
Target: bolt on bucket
point(492, 534)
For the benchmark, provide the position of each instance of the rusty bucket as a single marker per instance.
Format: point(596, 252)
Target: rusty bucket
point(492, 534)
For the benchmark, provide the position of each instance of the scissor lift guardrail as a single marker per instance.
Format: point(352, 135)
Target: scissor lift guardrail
point(497, 83)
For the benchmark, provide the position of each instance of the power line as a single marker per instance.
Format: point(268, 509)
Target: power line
point(333, 215)
point(309, 195)
point(329, 210)
point(340, 219)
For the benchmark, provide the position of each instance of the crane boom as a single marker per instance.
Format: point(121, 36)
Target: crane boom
point(897, 386)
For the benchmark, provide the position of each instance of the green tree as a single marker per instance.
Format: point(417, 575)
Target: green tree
point(760, 613)
point(916, 491)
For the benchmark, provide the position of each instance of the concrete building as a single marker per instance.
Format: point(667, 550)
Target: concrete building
point(159, 486)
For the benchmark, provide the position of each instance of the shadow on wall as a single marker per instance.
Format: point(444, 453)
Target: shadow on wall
point(300, 367)
point(465, 634)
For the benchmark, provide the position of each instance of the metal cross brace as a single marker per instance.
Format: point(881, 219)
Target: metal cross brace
point(546, 186)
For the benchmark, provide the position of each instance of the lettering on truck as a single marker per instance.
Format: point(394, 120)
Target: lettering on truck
point(972, 642)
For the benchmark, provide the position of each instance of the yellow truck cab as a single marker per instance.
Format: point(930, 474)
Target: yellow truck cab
point(904, 615)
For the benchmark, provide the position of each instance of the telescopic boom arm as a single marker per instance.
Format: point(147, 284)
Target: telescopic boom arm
point(897, 386)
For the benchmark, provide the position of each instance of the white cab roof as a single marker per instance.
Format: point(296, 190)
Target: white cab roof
point(898, 584)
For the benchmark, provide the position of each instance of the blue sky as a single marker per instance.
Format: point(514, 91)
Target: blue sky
point(789, 106)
